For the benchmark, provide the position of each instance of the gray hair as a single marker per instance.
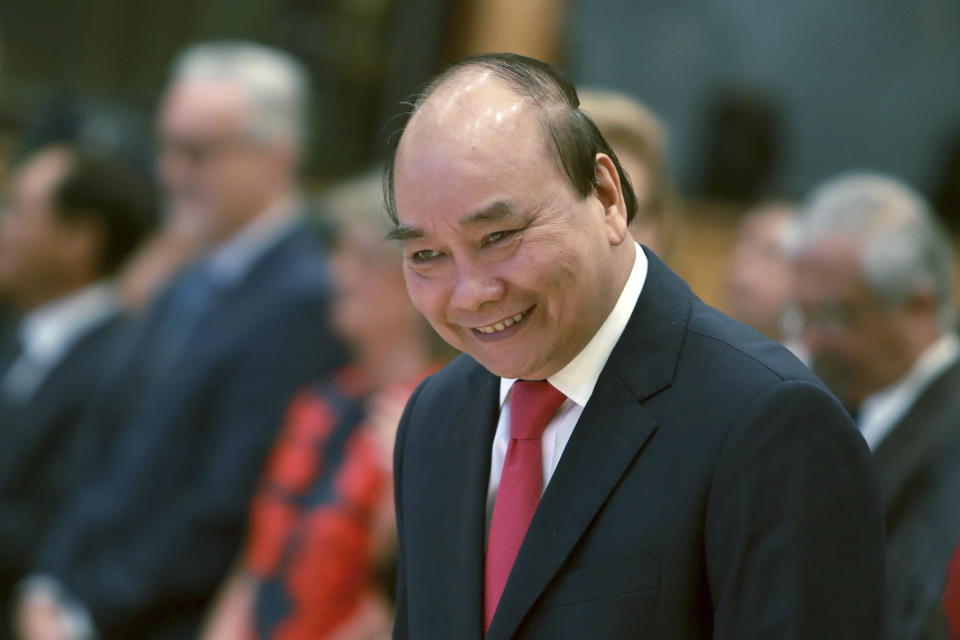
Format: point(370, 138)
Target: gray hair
point(903, 249)
point(277, 86)
point(358, 201)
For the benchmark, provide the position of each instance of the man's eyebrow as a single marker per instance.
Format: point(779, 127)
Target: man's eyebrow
point(497, 212)
point(404, 232)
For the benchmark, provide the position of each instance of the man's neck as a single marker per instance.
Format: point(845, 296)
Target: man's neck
point(40, 297)
point(275, 204)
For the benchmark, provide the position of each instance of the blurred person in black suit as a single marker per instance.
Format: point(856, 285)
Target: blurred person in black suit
point(874, 284)
point(72, 222)
point(203, 379)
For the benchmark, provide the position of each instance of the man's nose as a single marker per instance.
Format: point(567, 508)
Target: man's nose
point(474, 287)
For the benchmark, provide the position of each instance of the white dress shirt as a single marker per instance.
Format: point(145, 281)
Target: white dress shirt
point(881, 411)
point(576, 380)
point(48, 333)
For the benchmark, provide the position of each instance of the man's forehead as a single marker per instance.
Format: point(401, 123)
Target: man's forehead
point(472, 143)
point(474, 104)
point(218, 102)
point(831, 265)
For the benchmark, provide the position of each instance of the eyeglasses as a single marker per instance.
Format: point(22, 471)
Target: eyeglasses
point(837, 316)
point(197, 151)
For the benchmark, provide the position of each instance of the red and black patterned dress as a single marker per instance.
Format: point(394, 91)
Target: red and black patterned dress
point(314, 517)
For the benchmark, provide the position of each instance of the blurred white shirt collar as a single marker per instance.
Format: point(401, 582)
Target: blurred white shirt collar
point(880, 412)
point(48, 333)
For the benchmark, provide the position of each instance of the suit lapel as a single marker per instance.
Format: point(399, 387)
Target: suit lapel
point(916, 440)
point(607, 439)
point(474, 425)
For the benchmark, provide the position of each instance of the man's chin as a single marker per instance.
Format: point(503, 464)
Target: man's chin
point(510, 369)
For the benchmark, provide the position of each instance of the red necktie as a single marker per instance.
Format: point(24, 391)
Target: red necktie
point(532, 404)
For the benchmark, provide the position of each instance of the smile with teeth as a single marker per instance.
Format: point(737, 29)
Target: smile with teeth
point(503, 324)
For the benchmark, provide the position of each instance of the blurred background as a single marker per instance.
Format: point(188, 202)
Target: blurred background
point(726, 114)
point(760, 99)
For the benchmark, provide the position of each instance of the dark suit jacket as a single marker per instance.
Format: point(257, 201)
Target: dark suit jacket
point(919, 464)
point(36, 462)
point(147, 542)
point(711, 489)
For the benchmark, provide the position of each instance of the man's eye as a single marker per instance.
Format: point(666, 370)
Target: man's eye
point(497, 236)
point(424, 255)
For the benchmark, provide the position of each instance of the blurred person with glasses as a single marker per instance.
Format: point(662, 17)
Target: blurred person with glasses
point(875, 290)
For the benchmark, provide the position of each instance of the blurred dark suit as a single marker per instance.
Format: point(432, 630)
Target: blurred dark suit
point(189, 419)
point(919, 464)
point(36, 437)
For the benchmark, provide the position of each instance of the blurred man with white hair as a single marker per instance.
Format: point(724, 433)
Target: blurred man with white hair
point(874, 282)
point(192, 409)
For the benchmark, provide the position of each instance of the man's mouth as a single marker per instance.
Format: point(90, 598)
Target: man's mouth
point(504, 324)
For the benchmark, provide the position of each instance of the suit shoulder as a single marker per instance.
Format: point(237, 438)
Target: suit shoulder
point(722, 368)
point(733, 347)
point(456, 380)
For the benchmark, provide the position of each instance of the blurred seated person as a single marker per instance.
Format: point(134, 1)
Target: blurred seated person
point(640, 141)
point(68, 117)
point(72, 222)
point(759, 282)
point(194, 400)
point(321, 527)
point(875, 288)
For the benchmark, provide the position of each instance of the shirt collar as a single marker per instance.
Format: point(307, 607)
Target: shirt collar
point(233, 259)
point(578, 378)
point(48, 332)
point(880, 411)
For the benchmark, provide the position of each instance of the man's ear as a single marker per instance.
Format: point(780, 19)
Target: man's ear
point(610, 194)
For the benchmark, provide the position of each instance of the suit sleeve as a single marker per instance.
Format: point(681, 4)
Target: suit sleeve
point(401, 630)
point(794, 528)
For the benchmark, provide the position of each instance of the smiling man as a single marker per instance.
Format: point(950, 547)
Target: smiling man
point(610, 458)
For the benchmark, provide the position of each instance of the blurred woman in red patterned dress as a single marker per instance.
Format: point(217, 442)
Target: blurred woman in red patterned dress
point(321, 536)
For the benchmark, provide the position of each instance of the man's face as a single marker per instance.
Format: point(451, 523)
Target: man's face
point(35, 246)
point(856, 341)
point(370, 305)
point(210, 168)
point(507, 262)
point(759, 282)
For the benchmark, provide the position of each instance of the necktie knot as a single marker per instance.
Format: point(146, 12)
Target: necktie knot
point(532, 404)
